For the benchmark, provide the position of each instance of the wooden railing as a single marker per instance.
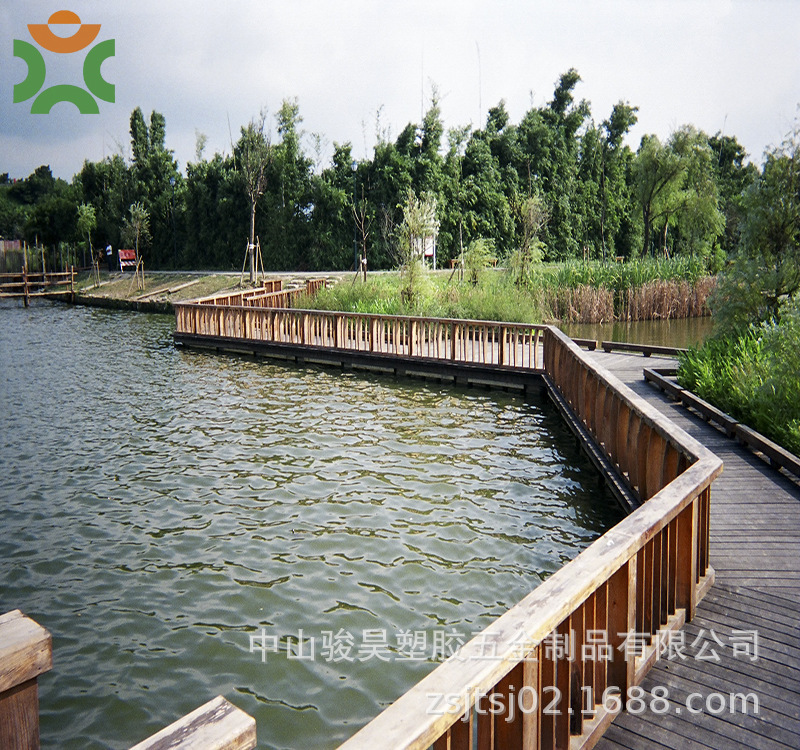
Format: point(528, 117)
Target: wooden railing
point(25, 285)
point(271, 294)
point(466, 341)
point(776, 455)
point(26, 652)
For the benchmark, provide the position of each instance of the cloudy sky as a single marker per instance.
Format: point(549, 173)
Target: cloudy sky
point(356, 66)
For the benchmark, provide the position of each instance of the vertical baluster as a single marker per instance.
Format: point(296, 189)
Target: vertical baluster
point(672, 566)
point(686, 593)
point(647, 587)
point(704, 513)
point(656, 450)
point(600, 680)
point(563, 683)
point(621, 621)
point(657, 544)
point(508, 733)
point(548, 682)
point(642, 448)
point(577, 670)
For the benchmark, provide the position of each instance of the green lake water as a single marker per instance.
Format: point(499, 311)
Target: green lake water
point(161, 508)
point(678, 332)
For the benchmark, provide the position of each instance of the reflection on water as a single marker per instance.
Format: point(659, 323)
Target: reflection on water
point(162, 507)
point(678, 332)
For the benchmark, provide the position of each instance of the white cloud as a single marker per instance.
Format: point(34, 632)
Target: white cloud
point(714, 63)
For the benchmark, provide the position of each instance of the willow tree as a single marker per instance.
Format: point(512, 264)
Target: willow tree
point(419, 229)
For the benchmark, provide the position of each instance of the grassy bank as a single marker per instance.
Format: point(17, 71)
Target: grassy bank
point(491, 299)
point(159, 288)
point(570, 292)
point(754, 377)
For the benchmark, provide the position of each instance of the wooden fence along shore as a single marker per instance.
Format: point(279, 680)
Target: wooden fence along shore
point(554, 670)
point(25, 285)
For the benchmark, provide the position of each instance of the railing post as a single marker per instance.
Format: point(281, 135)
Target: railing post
point(501, 348)
point(26, 651)
point(25, 286)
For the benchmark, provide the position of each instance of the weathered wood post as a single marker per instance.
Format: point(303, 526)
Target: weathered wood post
point(26, 295)
point(26, 651)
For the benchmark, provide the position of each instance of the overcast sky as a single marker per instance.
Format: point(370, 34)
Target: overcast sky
point(211, 66)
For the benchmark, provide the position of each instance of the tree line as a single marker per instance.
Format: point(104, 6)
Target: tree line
point(592, 195)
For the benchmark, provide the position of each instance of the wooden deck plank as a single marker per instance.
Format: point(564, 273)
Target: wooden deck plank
point(755, 551)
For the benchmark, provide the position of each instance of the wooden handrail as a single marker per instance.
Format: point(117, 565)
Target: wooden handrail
point(645, 349)
point(777, 455)
point(514, 345)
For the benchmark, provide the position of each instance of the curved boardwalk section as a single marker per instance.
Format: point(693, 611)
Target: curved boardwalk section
point(732, 679)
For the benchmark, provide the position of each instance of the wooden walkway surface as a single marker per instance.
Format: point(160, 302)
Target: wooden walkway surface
point(755, 550)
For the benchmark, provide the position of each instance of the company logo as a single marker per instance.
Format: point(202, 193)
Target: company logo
point(83, 98)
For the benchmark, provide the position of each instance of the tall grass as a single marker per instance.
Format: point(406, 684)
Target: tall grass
point(755, 377)
point(571, 292)
point(494, 298)
point(637, 290)
point(622, 276)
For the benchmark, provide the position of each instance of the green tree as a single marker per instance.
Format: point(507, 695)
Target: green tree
point(676, 188)
point(420, 224)
point(155, 179)
point(331, 221)
point(658, 173)
point(733, 176)
point(252, 156)
point(548, 148)
point(533, 215)
point(87, 221)
point(615, 194)
point(766, 272)
point(106, 186)
point(288, 195)
point(216, 212)
point(136, 227)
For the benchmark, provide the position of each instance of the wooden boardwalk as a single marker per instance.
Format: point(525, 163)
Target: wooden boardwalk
point(755, 550)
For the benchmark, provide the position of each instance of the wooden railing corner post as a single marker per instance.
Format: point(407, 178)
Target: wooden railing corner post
point(26, 651)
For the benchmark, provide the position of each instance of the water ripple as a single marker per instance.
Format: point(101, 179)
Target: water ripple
point(161, 508)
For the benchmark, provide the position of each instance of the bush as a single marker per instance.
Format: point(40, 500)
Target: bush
point(753, 376)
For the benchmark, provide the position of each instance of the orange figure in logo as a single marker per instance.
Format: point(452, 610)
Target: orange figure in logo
point(83, 37)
